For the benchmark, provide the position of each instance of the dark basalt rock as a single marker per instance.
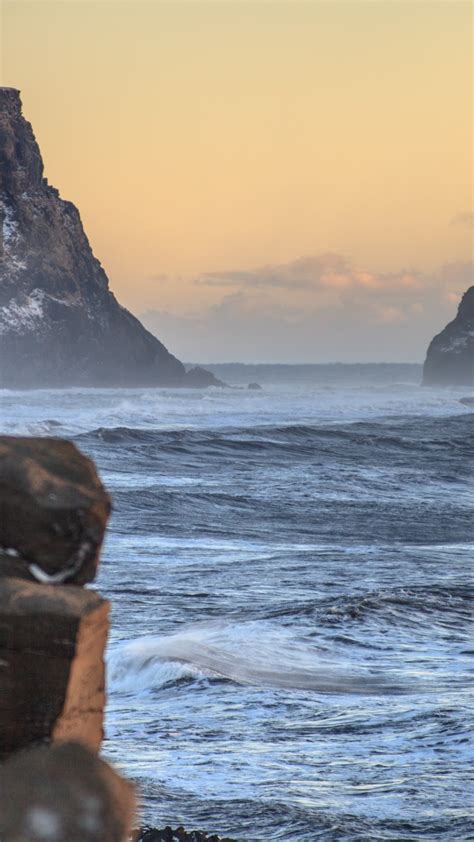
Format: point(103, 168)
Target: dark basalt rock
point(167, 834)
point(52, 674)
point(53, 511)
point(450, 357)
point(60, 325)
point(65, 794)
point(255, 387)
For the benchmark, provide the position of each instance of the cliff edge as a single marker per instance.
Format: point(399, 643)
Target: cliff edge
point(450, 356)
point(60, 325)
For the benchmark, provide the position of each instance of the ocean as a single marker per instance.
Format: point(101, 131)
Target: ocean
point(291, 578)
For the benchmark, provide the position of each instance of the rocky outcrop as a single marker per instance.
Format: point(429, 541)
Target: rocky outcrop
point(167, 834)
point(450, 357)
point(65, 794)
point(200, 378)
point(60, 325)
point(52, 642)
point(53, 511)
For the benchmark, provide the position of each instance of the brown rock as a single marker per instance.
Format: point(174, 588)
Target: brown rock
point(53, 511)
point(63, 794)
point(52, 642)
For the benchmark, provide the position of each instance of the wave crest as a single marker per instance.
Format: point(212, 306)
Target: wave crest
point(253, 653)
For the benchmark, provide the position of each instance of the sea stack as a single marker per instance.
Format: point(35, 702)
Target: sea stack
point(450, 357)
point(53, 514)
point(60, 325)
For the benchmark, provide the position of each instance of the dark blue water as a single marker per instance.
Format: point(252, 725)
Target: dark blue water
point(292, 581)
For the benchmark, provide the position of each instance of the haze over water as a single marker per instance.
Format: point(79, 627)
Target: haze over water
point(291, 578)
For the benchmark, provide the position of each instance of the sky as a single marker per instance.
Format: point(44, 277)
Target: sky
point(261, 180)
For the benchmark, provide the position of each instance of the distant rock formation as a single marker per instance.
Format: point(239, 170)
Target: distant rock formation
point(450, 357)
point(60, 325)
point(199, 378)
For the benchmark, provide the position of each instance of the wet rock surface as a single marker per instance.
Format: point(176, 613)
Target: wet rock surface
point(167, 834)
point(60, 325)
point(53, 511)
point(52, 675)
point(450, 357)
point(64, 794)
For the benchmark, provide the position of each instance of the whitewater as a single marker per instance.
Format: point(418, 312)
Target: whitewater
point(291, 578)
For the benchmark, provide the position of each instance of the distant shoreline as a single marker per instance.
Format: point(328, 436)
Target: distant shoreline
point(317, 373)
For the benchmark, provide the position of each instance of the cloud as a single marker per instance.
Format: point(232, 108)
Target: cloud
point(317, 308)
point(303, 273)
point(327, 271)
point(465, 218)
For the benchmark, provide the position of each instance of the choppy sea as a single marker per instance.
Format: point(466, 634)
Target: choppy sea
point(291, 573)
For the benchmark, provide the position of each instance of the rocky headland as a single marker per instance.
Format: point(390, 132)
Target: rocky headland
point(450, 357)
point(60, 324)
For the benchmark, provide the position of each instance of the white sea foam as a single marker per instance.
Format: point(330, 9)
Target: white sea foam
point(82, 410)
point(253, 653)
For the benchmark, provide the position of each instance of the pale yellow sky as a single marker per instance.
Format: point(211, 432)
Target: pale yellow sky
point(223, 136)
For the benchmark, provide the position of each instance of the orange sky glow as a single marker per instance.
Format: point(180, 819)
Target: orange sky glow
point(257, 175)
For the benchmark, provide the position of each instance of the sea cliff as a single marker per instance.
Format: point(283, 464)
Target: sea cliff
point(60, 324)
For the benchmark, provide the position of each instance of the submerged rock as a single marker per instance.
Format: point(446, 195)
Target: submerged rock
point(64, 794)
point(60, 325)
point(467, 401)
point(52, 642)
point(255, 387)
point(53, 511)
point(450, 357)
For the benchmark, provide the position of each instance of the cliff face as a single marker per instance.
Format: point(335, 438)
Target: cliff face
point(450, 357)
point(60, 325)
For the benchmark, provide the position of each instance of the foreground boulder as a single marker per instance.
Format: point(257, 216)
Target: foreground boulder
point(60, 325)
point(450, 357)
point(52, 641)
point(64, 794)
point(53, 511)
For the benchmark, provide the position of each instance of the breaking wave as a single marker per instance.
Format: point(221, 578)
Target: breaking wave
point(247, 653)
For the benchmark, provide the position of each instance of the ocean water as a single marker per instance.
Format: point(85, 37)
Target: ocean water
point(291, 655)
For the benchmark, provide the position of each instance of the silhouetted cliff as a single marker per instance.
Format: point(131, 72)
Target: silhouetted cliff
point(450, 357)
point(60, 325)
